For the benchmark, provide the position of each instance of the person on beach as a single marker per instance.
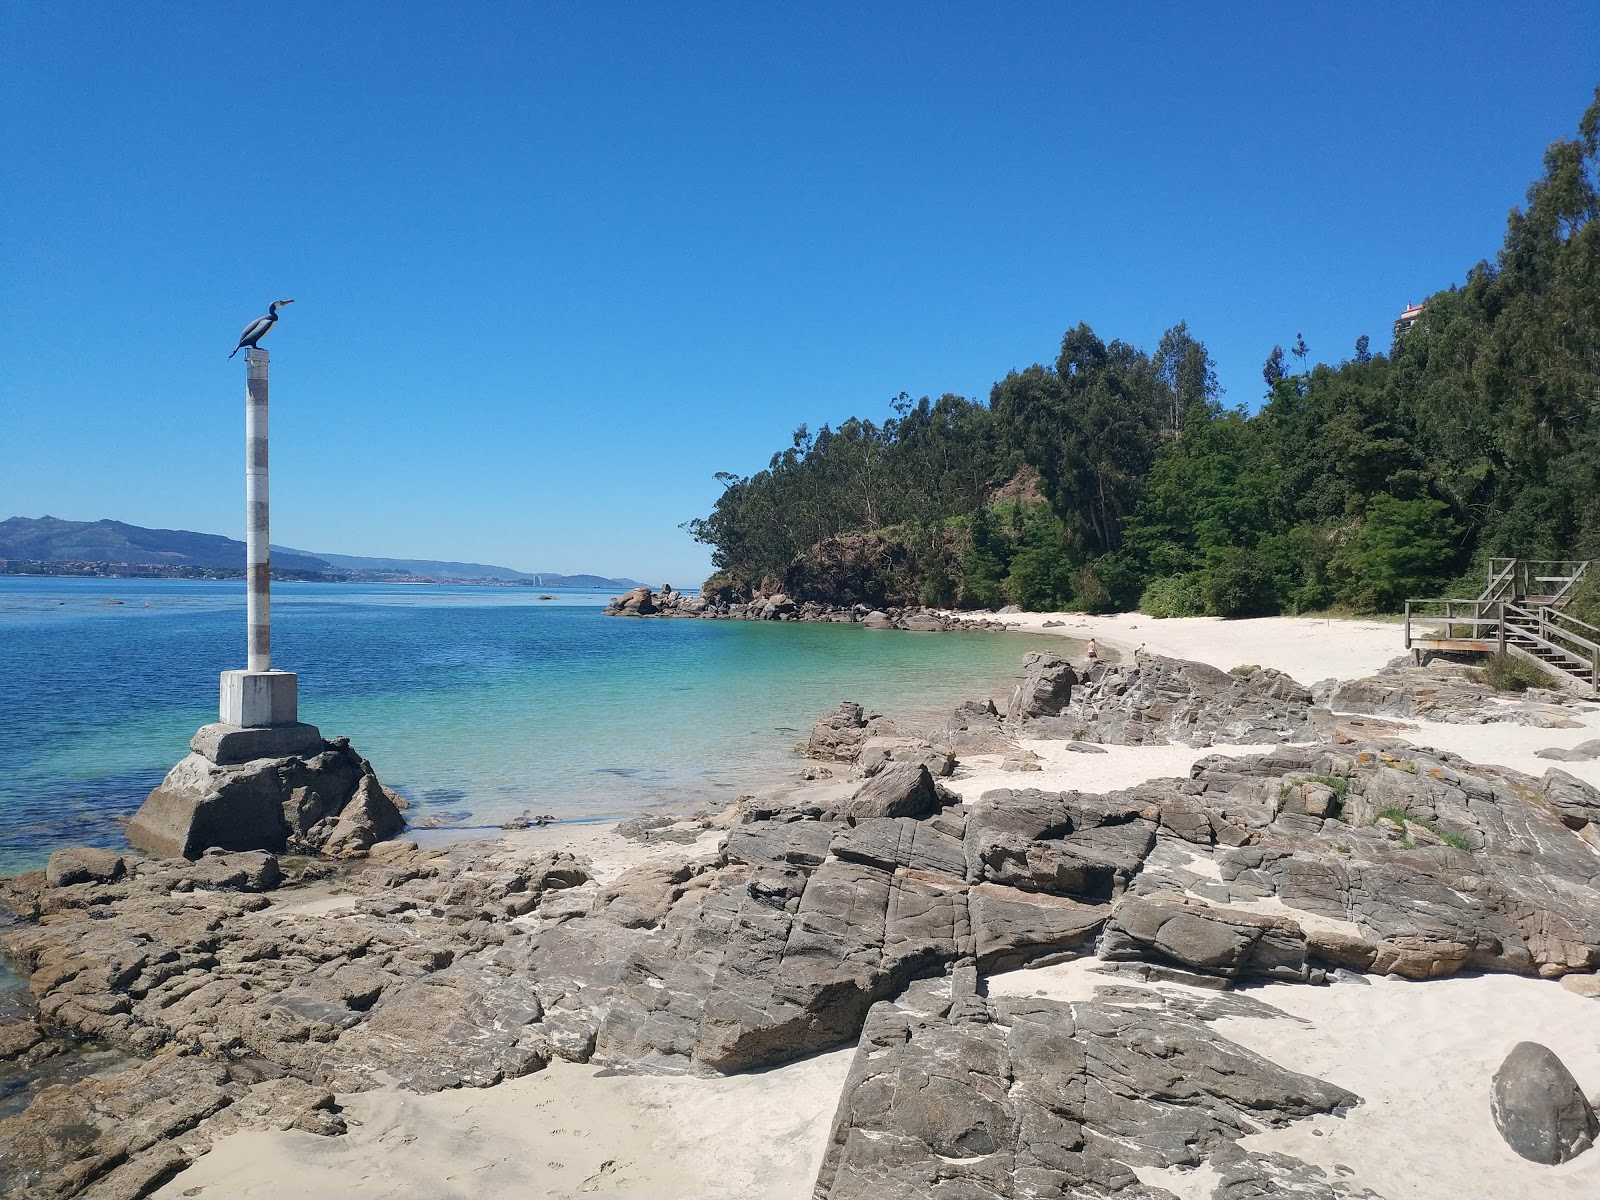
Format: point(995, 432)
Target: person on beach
point(1094, 652)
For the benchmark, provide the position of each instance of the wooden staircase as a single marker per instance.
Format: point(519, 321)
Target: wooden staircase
point(1521, 612)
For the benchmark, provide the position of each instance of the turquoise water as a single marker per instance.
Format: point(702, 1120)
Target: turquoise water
point(475, 703)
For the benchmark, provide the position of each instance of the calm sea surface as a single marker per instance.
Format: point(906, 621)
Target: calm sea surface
point(475, 703)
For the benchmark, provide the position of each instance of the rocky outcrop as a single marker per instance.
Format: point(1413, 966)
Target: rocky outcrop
point(1539, 1108)
point(837, 737)
point(642, 602)
point(1443, 691)
point(1153, 700)
point(327, 801)
point(1012, 1098)
point(1046, 687)
point(81, 864)
point(1583, 752)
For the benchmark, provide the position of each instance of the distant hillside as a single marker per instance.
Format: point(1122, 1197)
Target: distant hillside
point(434, 569)
point(52, 540)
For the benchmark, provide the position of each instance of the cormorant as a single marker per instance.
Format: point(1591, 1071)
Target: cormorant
point(257, 329)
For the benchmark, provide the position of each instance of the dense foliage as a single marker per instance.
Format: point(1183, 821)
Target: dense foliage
point(1113, 477)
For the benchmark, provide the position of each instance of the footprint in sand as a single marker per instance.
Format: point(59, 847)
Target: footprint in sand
point(606, 1168)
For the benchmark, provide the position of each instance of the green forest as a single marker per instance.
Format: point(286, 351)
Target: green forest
point(1113, 478)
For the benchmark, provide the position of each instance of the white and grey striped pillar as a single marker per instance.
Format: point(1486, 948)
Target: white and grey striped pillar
point(258, 567)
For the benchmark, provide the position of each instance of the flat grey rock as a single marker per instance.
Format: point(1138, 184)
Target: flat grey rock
point(230, 745)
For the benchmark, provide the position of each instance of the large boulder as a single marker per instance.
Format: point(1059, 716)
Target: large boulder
point(83, 864)
point(899, 790)
point(837, 737)
point(640, 602)
point(1539, 1108)
point(1046, 687)
point(326, 802)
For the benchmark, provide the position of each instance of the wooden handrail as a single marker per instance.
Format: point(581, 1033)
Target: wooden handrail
point(1568, 619)
point(1497, 616)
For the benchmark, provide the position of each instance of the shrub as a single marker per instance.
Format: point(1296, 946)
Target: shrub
point(937, 589)
point(1237, 583)
point(1507, 673)
point(1040, 578)
point(1302, 567)
point(1401, 549)
point(1244, 670)
point(1175, 596)
point(1091, 595)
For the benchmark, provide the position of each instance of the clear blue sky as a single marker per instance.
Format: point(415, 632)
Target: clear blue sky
point(556, 264)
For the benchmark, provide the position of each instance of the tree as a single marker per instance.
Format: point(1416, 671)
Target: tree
point(1091, 428)
point(1301, 350)
point(1187, 373)
point(1402, 547)
point(1272, 371)
point(1363, 352)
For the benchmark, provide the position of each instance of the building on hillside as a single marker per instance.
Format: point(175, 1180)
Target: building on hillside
point(1408, 318)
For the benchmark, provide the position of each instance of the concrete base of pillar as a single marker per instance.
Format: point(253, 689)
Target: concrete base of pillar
point(229, 745)
point(256, 698)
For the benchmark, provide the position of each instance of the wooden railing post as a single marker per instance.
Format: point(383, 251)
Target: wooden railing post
point(1408, 624)
point(1502, 628)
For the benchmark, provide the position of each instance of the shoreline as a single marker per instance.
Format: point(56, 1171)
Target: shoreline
point(575, 1128)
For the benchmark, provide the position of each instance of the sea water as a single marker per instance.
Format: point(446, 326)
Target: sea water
point(476, 703)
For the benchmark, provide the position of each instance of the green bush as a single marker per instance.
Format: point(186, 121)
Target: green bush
point(1120, 575)
point(1507, 673)
point(1302, 567)
point(1175, 596)
point(984, 563)
point(937, 589)
point(1402, 549)
point(1237, 583)
point(1089, 593)
point(1040, 578)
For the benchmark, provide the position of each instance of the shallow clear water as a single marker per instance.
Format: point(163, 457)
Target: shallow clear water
point(475, 703)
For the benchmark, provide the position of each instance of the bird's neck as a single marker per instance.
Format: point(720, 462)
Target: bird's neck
point(272, 310)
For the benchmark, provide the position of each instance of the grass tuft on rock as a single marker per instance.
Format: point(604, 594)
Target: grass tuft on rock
point(1402, 818)
point(1507, 673)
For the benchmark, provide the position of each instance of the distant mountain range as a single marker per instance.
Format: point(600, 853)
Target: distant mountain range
point(50, 540)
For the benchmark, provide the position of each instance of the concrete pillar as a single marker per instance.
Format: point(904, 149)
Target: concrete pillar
point(257, 696)
point(258, 567)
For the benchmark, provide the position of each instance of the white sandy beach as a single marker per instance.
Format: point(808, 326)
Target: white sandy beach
point(1420, 1054)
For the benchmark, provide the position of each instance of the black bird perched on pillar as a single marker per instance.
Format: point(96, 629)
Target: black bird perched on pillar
point(258, 328)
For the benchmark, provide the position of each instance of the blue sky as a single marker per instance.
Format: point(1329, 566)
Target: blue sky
point(556, 265)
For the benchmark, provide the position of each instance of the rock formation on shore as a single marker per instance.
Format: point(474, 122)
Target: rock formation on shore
point(280, 788)
point(258, 989)
point(642, 602)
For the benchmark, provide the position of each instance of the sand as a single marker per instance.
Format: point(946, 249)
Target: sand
point(1308, 648)
point(568, 1130)
point(1420, 1054)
